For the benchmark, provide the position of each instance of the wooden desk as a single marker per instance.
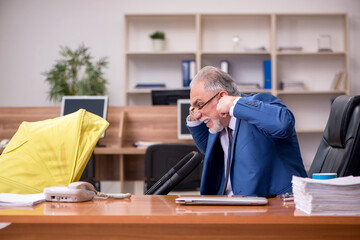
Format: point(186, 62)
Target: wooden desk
point(158, 217)
point(138, 123)
point(121, 154)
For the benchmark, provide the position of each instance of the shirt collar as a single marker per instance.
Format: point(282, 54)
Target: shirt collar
point(232, 123)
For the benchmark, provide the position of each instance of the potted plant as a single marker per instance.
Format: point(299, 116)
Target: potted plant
point(76, 74)
point(158, 40)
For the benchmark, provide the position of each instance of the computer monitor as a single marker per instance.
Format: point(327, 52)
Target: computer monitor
point(95, 104)
point(183, 106)
point(169, 96)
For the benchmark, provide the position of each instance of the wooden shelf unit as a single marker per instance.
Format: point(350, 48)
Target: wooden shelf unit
point(208, 38)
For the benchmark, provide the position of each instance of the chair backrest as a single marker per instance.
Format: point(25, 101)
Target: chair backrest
point(160, 158)
point(339, 149)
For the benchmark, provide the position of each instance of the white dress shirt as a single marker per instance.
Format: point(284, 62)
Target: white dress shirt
point(224, 140)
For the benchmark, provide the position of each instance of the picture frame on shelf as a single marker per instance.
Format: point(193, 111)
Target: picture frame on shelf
point(324, 43)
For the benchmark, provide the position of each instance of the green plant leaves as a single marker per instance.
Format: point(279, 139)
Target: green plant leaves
point(76, 74)
point(158, 35)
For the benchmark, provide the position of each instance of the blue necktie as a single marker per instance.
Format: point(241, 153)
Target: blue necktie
point(227, 175)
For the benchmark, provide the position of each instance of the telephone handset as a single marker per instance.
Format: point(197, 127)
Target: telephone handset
point(77, 192)
point(82, 185)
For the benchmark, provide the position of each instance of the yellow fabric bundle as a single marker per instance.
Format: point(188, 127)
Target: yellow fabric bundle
point(52, 152)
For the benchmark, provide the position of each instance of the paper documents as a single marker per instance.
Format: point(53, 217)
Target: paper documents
point(337, 196)
point(20, 200)
point(144, 144)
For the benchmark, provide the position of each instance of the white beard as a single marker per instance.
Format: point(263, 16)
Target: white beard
point(217, 125)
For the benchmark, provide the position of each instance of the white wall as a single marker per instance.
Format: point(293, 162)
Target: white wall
point(31, 32)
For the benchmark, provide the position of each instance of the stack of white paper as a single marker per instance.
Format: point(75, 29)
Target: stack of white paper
point(20, 200)
point(337, 196)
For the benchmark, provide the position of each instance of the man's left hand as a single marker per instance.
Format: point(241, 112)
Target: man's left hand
point(224, 105)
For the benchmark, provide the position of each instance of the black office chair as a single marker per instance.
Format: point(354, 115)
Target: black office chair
point(160, 158)
point(339, 150)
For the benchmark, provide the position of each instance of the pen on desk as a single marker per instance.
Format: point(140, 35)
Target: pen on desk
point(287, 197)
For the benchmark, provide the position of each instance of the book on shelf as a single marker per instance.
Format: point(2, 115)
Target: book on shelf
point(150, 85)
point(339, 81)
point(257, 48)
point(336, 196)
point(188, 70)
point(292, 85)
point(247, 86)
point(224, 66)
point(325, 50)
point(267, 74)
point(290, 48)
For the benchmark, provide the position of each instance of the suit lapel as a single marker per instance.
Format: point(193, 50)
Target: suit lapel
point(235, 137)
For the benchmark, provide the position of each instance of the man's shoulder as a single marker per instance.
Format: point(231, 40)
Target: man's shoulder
point(263, 96)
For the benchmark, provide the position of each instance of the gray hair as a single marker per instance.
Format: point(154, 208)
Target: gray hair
point(215, 79)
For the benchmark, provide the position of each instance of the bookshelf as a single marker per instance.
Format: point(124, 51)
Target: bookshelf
point(209, 38)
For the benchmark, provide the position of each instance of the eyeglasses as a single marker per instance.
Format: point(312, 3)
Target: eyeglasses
point(194, 110)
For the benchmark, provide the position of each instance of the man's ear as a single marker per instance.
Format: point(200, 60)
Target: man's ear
point(223, 93)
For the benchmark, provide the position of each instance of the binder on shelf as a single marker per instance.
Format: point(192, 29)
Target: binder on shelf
point(192, 69)
point(188, 69)
point(267, 74)
point(150, 85)
point(224, 66)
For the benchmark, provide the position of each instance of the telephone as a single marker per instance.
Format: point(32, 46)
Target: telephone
point(77, 192)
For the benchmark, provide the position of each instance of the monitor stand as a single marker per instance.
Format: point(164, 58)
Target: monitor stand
point(100, 145)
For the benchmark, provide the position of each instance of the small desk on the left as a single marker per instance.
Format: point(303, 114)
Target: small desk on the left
point(138, 123)
point(128, 124)
point(121, 153)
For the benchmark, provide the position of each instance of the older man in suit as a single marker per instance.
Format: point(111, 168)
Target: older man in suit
point(249, 141)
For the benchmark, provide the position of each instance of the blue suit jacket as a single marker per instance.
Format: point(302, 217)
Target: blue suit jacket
point(265, 150)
